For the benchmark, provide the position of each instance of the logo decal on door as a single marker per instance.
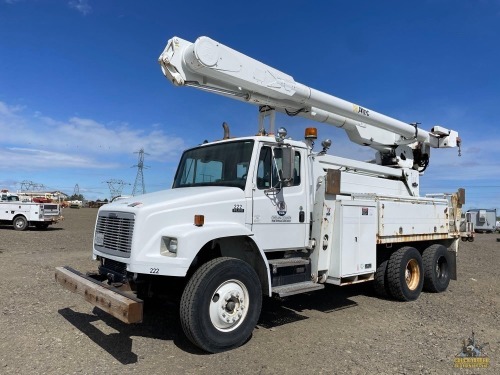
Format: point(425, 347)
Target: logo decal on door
point(281, 208)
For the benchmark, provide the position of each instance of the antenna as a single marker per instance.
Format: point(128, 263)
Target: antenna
point(139, 187)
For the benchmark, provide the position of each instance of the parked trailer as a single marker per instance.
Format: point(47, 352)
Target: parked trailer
point(484, 219)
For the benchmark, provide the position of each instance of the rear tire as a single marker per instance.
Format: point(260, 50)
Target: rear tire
point(41, 226)
point(405, 274)
point(221, 304)
point(381, 285)
point(20, 223)
point(436, 268)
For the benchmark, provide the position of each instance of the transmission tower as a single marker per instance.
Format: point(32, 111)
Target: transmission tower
point(77, 190)
point(31, 186)
point(139, 187)
point(26, 185)
point(38, 187)
point(116, 187)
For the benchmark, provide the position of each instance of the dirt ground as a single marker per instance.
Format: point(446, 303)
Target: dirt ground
point(45, 329)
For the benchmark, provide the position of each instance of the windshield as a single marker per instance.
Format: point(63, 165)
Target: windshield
point(224, 164)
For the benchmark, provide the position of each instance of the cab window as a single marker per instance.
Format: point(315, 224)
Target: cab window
point(267, 174)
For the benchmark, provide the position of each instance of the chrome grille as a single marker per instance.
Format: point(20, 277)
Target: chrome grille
point(113, 233)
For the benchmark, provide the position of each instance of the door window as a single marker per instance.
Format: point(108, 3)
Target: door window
point(267, 173)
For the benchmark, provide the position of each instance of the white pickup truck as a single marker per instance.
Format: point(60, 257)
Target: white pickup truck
point(21, 215)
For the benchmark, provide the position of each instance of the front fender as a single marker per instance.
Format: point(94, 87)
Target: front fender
point(190, 240)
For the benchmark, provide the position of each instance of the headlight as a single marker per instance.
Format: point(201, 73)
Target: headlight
point(168, 246)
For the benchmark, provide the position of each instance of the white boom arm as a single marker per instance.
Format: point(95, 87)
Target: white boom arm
point(212, 66)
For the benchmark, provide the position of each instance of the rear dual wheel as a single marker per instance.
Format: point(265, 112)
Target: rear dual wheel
point(381, 285)
point(436, 261)
point(405, 274)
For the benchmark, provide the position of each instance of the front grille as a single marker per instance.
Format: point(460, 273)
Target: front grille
point(113, 233)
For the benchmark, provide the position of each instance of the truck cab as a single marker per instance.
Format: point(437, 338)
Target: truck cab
point(8, 197)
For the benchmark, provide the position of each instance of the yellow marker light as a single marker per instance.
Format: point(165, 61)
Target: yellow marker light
point(199, 220)
point(311, 133)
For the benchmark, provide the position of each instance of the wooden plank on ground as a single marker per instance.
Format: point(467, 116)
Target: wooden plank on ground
point(127, 309)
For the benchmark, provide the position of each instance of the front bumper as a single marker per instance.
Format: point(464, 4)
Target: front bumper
point(115, 302)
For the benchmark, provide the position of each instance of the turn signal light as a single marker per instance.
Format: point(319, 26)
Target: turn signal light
point(199, 220)
point(311, 133)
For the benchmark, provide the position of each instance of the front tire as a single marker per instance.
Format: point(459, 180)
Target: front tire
point(20, 223)
point(436, 268)
point(405, 274)
point(221, 304)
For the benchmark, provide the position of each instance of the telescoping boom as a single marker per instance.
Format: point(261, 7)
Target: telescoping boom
point(211, 66)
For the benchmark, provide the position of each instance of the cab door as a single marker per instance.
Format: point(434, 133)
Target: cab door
point(280, 214)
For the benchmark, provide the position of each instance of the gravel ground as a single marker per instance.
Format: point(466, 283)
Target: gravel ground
point(45, 329)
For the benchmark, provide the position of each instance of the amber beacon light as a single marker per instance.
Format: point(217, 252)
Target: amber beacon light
point(199, 220)
point(311, 133)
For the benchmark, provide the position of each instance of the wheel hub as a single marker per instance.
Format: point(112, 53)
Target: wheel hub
point(228, 305)
point(412, 274)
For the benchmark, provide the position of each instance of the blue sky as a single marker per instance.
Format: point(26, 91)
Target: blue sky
point(81, 89)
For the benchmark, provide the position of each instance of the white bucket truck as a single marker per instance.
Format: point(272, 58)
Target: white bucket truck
point(266, 215)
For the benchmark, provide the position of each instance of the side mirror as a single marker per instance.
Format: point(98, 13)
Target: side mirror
point(286, 170)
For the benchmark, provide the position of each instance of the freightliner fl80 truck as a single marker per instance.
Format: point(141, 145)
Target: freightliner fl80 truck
point(266, 215)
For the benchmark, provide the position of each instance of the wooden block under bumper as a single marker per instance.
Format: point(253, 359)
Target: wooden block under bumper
point(109, 299)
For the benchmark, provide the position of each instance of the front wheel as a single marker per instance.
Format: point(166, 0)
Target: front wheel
point(221, 304)
point(20, 223)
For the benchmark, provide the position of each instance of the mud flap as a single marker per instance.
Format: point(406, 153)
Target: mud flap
point(453, 264)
